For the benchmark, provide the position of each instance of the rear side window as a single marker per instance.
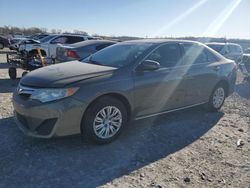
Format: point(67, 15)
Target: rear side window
point(74, 39)
point(168, 55)
point(195, 54)
point(211, 57)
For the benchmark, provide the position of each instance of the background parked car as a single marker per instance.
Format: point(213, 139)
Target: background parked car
point(15, 42)
point(34, 39)
point(38, 36)
point(245, 66)
point(81, 50)
point(49, 44)
point(4, 42)
point(247, 51)
point(229, 50)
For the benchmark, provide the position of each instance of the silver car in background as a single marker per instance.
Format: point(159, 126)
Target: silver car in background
point(81, 50)
point(229, 50)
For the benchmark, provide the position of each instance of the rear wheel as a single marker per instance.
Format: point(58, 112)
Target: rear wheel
point(12, 73)
point(217, 98)
point(104, 120)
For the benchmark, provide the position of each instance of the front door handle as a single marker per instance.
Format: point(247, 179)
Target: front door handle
point(216, 68)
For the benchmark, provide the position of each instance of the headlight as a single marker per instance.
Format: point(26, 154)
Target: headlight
point(47, 95)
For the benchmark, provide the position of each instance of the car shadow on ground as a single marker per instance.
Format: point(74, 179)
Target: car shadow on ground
point(4, 65)
point(74, 162)
point(243, 89)
point(8, 85)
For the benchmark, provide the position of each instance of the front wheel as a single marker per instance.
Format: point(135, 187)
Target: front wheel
point(217, 98)
point(12, 73)
point(104, 120)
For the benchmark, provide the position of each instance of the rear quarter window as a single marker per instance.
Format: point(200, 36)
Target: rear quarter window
point(195, 54)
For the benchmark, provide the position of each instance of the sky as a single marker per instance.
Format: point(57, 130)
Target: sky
point(140, 18)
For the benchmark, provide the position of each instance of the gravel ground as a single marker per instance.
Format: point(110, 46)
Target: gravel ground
point(190, 148)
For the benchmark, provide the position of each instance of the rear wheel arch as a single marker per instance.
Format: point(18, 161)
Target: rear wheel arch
point(224, 83)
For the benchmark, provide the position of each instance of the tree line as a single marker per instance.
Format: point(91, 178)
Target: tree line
point(7, 30)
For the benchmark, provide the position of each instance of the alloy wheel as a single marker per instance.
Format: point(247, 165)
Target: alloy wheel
point(218, 97)
point(107, 122)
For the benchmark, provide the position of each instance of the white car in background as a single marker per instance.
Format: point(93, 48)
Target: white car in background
point(49, 44)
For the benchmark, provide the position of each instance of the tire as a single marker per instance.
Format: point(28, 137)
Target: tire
point(94, 122)
point(1, 45)
point(12, 73)
point(24, 73)
point(217, 98)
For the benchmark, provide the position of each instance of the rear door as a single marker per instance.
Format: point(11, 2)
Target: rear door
point(201, 73)
point(162, 89)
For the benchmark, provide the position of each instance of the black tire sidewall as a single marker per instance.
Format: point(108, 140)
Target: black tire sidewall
point(87, 126)
point(12, 73)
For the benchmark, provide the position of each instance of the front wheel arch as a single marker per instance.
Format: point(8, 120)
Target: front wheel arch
point(86, 127)
point(118, 96)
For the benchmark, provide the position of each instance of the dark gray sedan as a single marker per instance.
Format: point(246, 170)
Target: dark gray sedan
point(129, 80)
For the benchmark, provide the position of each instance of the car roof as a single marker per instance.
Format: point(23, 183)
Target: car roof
point(160, 41)
point(222, 43)
point(90, 42)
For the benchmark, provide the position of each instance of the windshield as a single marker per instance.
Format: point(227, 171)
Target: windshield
point(46, 39)
point(118, 55)
point(217, 48)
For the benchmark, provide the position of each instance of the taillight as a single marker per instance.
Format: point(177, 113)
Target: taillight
point(72, 53)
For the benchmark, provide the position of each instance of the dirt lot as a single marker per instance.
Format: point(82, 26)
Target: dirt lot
point(191, 148)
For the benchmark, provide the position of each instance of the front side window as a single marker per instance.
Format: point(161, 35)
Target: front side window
point(194, 54)
point(119, 55)
point(168, 55)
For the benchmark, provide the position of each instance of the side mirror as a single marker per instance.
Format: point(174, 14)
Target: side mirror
point(149, 65)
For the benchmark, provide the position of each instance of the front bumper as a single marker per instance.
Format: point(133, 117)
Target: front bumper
point(46, 120)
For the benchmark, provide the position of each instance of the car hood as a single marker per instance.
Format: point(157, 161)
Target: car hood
point(62, 74)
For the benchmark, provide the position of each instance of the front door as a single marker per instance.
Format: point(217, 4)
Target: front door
point(162, 89)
